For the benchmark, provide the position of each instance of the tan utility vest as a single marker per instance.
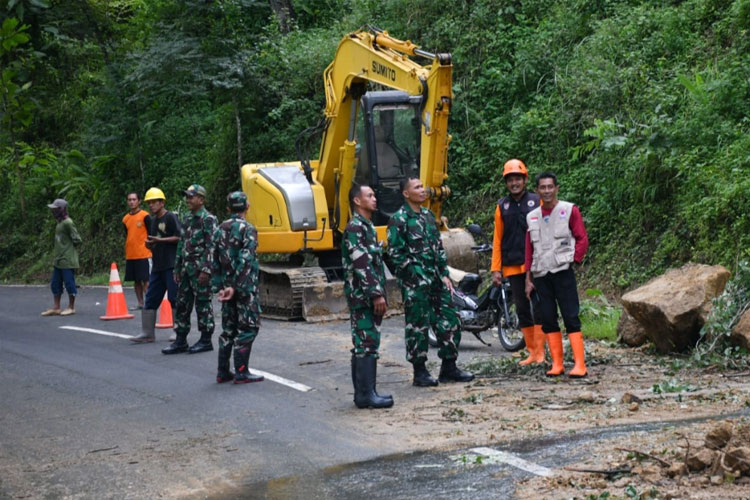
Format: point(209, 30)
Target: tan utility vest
point(554, 245)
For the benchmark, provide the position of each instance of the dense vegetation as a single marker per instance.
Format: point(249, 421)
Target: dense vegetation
point(642, 107)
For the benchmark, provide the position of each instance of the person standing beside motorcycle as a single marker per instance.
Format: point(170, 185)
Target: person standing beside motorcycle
point(508, 252)
point(365, 295)
point(420, 264)
point(556, 239)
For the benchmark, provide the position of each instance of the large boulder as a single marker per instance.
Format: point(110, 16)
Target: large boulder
point(630, 332)
point(673, 307)
point(741, 333)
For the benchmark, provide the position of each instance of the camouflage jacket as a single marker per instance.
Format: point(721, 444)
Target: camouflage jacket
point(363, 262)
point(235, 258)
point(195, 250)
point(415, 248)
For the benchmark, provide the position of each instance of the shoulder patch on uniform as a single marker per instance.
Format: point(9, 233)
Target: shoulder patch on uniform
point(506, 205)
point(529, 203)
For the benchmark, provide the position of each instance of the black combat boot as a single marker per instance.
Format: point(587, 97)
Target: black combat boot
point(224, 374)
point(375, 381)
point(204, 344)
point(241, 359)
point(422, 377)
point(179, 345)
point(449, 372)
point(364, 387)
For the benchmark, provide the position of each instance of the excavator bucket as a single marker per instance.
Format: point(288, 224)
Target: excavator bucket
point(289, 292)
point(328, 302)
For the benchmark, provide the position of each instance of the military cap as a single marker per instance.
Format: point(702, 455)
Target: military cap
point(195, 189)
point(237, 200)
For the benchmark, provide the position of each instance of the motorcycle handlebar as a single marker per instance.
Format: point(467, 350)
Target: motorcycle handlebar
point(482, 248)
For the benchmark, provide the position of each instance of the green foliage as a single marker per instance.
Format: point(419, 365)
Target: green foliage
point(640, 107)
point(598, 317)
point(714, 346)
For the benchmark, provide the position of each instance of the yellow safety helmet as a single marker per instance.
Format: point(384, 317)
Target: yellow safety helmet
point(515, 167)
point(154, 194)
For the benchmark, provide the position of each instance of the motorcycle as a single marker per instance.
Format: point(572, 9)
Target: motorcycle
point(483, 306)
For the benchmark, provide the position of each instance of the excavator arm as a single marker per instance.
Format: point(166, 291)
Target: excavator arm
point(375, 57)
point(303, 207)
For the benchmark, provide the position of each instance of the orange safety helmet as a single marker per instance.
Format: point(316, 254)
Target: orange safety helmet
point(515, 167)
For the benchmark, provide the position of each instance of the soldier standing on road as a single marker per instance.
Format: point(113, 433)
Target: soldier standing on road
point(556, 239)
point(421, 268)
point(137, 256)
point(192, 273)
point(65, 259)
point(365, 295)
point(163, 236)
point(235, 279)
point(508, 252)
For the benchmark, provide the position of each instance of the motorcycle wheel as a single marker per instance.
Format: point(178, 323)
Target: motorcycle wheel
point(509, 333)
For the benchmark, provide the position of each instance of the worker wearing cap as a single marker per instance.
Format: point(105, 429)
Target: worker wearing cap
point(162, 239)
point(65, 259)
point(508, 252)
point(235, 279)
point(192, 272)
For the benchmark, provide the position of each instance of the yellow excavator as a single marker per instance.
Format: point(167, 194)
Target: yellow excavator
point(386, 118)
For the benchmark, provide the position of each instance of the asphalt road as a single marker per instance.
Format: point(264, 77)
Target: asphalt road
point(87, 415)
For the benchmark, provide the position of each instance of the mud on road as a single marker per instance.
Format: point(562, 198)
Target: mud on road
point(625, 387)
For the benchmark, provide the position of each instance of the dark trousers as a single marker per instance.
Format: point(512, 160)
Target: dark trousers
point(158, 283)
point(523, 308)
point(66, 276)
point(558, 290)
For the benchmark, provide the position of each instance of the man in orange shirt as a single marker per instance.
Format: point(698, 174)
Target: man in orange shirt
point(508, 252)
point(137, 222)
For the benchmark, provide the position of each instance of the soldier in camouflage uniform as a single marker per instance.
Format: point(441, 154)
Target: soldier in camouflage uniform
point(192, 272)
point(420, 264)
point(235, 279)
point(365, 294)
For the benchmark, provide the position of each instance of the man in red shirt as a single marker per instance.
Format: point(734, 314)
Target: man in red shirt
point(137, 269)
point(556, 239)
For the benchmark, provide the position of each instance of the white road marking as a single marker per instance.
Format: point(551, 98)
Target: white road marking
point(282, 380)
point(98, 332)
point(270, 376)
point(510, 459)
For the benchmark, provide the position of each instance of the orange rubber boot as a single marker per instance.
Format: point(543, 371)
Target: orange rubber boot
point(579, 355)
point(541, 341)
point(531, 345)
point(556, 350)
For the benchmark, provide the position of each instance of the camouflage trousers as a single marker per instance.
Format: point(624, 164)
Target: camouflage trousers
point(240, 320)
point(428, 307)
point(189, 292)
point(365, 331)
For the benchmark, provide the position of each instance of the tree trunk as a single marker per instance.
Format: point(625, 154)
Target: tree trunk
point(238, 124)
point(285, 12)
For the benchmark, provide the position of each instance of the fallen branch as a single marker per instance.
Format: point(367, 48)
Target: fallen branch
point(647, 455)
point(606, 472)
point(733, 375)
point(104, 449)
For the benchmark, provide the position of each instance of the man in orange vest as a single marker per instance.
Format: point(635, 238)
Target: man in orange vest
point(508, 252)
point(137, 268)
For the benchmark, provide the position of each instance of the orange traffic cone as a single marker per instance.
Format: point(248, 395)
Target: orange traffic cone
point(165, 314)
point(116, 306)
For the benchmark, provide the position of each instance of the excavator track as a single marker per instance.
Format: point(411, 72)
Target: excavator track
point(282, 289)
point(304, 293)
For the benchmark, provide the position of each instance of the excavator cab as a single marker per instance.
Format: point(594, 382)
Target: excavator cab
point(389, 127)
